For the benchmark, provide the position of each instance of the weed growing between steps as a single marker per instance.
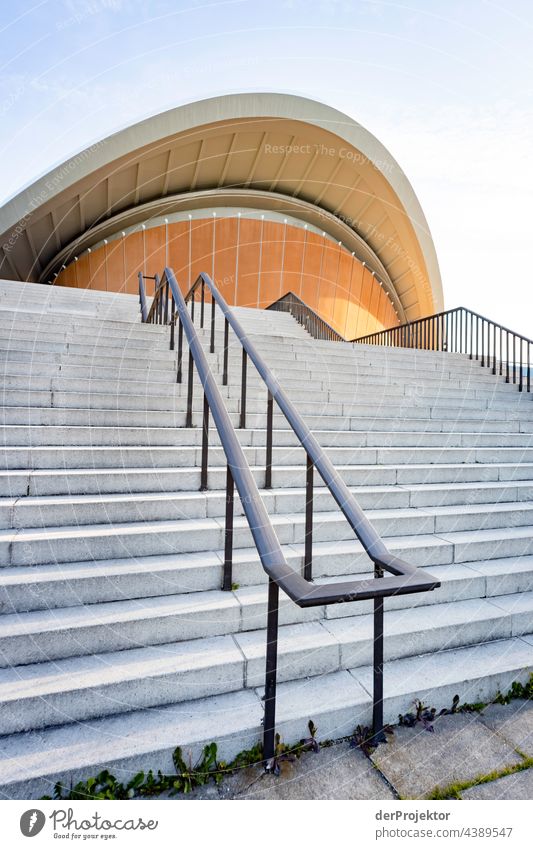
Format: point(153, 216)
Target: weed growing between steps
point(362, 737)
point(208, 768)
point(188, 776)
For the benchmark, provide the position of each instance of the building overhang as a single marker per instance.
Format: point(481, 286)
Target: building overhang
point(285, 152)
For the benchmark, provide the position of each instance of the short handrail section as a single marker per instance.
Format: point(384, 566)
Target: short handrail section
point(463, 331)
point(308, 318)
point(170, 307)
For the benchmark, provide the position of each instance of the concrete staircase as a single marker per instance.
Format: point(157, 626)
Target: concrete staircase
point(117, 643)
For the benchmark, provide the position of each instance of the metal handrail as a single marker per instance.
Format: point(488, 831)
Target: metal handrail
point(464, 331)
point(406, 578)
point(307, 317)
point(364, 530)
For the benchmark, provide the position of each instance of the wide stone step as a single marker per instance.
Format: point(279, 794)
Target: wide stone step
point(83, 415)
point(93, 509)
point(336, 702)
point(484, 505)
point(117, 360)
point(46, 587)
point(88, 346)
point(164, 394)
point(41, 695)
point(163, 456)
point(33, 435)
point(87, 481)
point(167, 398)
point(121, 624)
point(368, 370)
point(362, 393)
point(27, 546)
point(28, 321)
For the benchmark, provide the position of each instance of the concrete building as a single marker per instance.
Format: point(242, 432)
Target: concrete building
point(133, 601)
point(268, 193)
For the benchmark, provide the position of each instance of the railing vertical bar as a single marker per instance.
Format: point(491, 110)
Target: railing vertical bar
point(514, 358)
point(243, 388)
point(268, 459)
point(205, 445)
point(180, 351)
point(507, 357)
point(226, 348)
point(521, 373)
point(202, 304)
point(378, 734)
point(227, 579)
point(212, 341)
point(308, 548)
point(269, 726)
point(190, 377)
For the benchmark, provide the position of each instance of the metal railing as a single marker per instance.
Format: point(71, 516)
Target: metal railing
point(462, 331)
point(308, 318)
point(169, 307)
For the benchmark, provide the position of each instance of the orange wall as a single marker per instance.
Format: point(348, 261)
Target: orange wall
point(254, 262)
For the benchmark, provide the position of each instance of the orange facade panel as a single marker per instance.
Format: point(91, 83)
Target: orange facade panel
point(293, 258)
point(254, 262)
point(270, 279)
point(226, 256)
point(247, 282)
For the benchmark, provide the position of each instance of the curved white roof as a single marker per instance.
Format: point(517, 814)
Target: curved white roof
point(290, 152)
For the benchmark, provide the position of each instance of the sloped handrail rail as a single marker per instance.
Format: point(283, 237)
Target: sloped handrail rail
point(406, 579)
point(464, 331)
point(363, 529)
point(315, 325)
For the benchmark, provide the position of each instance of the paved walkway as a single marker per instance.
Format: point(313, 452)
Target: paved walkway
point(467, 756)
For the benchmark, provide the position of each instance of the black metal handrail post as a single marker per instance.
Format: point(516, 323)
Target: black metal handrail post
point(378, 735)
point(142, 298)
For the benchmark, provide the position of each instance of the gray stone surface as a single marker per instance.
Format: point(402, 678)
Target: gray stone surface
point(519, 785)
point(337, 772)
point(514, 722)
point(416, 761)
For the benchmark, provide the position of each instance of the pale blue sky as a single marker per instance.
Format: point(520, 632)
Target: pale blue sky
point(446, 86)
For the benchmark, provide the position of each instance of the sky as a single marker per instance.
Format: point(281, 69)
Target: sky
point(445, 86)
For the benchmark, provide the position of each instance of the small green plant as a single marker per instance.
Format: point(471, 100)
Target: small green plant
point(516, 691)
point(422, 714)
point(362, 739)
point(291, 753)
point(187, 776)
point(235, 586)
